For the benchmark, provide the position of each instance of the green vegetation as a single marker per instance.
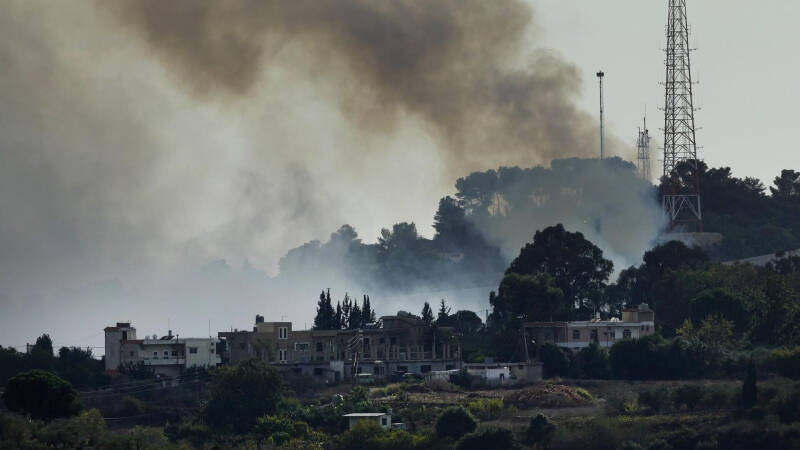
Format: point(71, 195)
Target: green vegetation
point(41, 395)
point(455, 422)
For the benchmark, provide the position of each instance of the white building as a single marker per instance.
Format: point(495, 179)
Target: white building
point(169, 355)
point(635, 323)
point(382, 419)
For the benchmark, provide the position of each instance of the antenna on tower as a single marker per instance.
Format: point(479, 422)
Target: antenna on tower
point(600, 76)
point(643, 150)
point(681, 198)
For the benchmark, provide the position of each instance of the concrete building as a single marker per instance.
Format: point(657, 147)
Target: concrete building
point(382, 419)
point(402, 343)
point(635, 323)
point(169, 355)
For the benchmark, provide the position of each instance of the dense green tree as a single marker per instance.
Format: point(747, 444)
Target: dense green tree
point(444, 313)
point(41, 394)
point(427, 313)
point(367, 313)
point(577, 266)
point(454, 422)
point(787, 185)
point(540, 431)
point(242, 394)
point(326, 315)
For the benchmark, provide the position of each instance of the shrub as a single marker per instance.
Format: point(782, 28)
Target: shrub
point(658, 444)
point(194, 431)
point(487, 408)
point(455, 422)
point(656, 399)
point(554, 360)
point(41, 394)
point(266, 426)
point(462, 379)
point(540, 431)
point(280, 437)
point(84, 430)
point(688, 394)
point(242, 394)
point(300, 429)
point(785, 362)
point(489, 438)
point(439, 385)
point(367, 434)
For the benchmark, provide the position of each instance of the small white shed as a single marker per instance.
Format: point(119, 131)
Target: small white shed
point(382, 419)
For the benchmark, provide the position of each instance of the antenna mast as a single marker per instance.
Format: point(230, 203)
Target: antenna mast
point(681, 182)
point(600, 76)
point(643, 151)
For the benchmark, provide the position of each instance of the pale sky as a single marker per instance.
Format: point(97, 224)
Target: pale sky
point(746, 63)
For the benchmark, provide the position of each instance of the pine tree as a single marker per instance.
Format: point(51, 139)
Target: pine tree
point(444, 313)
point(367, 314)
point(427, 313)
point(338, 321)
point(325, 318)
point(355, 318)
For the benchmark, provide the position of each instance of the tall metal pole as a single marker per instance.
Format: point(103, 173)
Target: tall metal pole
point(600, 76)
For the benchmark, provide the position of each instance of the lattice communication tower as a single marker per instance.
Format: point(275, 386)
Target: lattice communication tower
point(643, 152)
point(681, 196)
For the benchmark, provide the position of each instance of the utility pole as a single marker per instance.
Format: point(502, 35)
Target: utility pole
point(600, 76)
point(681, 200)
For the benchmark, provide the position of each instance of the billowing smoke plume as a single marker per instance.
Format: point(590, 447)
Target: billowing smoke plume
point(131, 155)
point(456, 65)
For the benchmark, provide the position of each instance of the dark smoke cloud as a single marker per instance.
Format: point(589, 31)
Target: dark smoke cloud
point(458, 65)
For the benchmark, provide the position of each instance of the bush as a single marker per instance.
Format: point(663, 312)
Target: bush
point(191, 430)
point(688, 394)
point(455, 422)
point(656, 399)
point(42, 395)
point(280, 437)
point(785, 362)
point(462, 379)
point(489, 438)
point(242, 394)
point(266, 426)
point(439, 385)
point(367, 434)
point(554, 360)
point(540, 431)
point(487, 408)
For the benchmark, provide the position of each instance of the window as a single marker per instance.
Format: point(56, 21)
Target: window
point(212, 351)
point(380, 354)
point(242, 345)
point(403, 369)
point(425, 369)
point(593, 335)
point(283, 333)
point(381, 340)
point(133, 353)
point(384, 421)
point(193, 350)
point(282, 355)
point(155, 354)
point(576, 334)
point(449, 367)
point(301, 346)
point(174, 353)
point(626, 334)
point(393, 341)
point(124, 335)
point(366, 341)
point(612, 334)
point(318, 371)
point(320, 347)
point(166, 353)
point(376, 370)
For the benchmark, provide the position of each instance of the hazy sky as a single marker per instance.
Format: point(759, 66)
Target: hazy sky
point(137, 146)
point(746, 62)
